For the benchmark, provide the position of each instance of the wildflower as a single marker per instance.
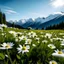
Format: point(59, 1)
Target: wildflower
point(58, 53)
point(6, 45)
point(62, 43)
point(23, 49)
point(16, 40)
point(61, 33)
point(48, 35)
point(19, 33)
point(13, 33)
point(33, 45)
point(3, 34)
point(52, 62)
point(51, 46)
point(32, 34)
point(51, 40)
point(44, 41)
point(28, 41)
point(22, 38)
point(3, 26)
point(57, 39)
point(37, 39)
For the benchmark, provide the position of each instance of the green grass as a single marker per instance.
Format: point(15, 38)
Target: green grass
point(38, 54)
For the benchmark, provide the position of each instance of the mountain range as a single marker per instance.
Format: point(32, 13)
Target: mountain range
point(40, 23)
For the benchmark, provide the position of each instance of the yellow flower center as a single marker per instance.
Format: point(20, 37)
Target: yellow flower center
point(24, 48)
point(51, 47)
point(7, 46)
point(53, 62)
point(60, 52)
point(29, 41)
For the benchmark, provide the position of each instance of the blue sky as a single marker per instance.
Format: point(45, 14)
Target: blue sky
point(24, 9)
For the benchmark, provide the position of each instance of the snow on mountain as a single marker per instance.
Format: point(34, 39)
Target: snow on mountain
point(28, 23)
point(21, 22)
point(52, 16)
point(39, 19)
point(35, 23)
point(57, 18)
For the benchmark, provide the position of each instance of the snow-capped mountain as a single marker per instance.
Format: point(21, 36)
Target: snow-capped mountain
point(28, 23)
point(52, 16)
point(56, 20)
point(20, 22)
point(40, 22)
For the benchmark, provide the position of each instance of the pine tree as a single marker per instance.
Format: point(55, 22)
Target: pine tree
point(13, 25)
point(4, 19)
point(56, 26)
point(1, 19)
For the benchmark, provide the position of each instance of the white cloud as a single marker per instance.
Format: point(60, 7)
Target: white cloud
point(57, 3)
point(8, 10)
point(11, 11)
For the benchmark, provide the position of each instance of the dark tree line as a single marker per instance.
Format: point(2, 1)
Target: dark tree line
point(2, 18)
point(56, 26)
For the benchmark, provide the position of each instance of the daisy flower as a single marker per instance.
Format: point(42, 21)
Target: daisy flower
point(23, 49)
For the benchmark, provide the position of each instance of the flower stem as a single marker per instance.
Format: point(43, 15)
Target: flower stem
point(9, 56)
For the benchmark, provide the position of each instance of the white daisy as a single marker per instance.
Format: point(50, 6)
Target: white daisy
point(51, 46)
point(6, 46)
point(52, 62)
point(23, 49)
point(58, 53)
point(48, 35)
point(28, 41)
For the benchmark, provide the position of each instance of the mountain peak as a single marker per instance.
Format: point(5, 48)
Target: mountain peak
point(35, 23)
point(61, 13)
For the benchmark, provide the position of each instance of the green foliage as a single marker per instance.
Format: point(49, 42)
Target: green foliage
point(2, 56)
point(2, 18)
point(56, 26)
point(18, 57)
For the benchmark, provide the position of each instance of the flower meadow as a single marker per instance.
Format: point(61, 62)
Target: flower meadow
point(22, 46)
